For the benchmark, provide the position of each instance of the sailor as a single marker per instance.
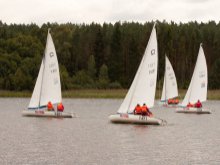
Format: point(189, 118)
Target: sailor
point(137, 110)
point(144, 110)
point(60, 107)
point(189, 105)
point(198, 104)
point(169, 101)
point(176, 101)
point(50, 106)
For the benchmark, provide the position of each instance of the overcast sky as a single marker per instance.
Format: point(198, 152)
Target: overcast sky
point(87, 11)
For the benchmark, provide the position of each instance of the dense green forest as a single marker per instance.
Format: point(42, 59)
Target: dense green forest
point(107, 55)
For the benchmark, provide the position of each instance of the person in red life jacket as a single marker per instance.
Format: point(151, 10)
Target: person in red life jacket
point(137, 110)
point(50, 106)
point(189, 105)
point(60, 107)
point(169, 101)
point(198, 104)
point(144, 110)
point(176, 101)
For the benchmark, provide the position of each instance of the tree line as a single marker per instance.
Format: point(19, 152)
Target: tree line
point(105, 55)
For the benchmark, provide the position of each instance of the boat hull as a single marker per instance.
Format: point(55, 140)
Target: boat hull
point(169, 105)
point(40, 113)
point(134, 119)
point(193, 110)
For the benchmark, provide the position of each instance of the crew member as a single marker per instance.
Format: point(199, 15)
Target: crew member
point(198, 104)
point(60, 107)
point(137, 110)
point(50, 106)
point(189, 105)
point(144, 110)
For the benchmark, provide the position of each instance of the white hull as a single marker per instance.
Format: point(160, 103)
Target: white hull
point(134, 119)
point(169, 105)
point(40, 113)
point(193, 110)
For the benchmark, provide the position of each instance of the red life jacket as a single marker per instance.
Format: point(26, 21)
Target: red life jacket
point(60, 107)
point(198, 105)
point(169, 101)
point(189, 105)
point(176, 101)
point(49, 106)
point(144, 109)
point(138, 110)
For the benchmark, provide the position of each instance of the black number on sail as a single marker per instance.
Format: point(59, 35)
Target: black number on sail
point(153, 52)
point(51, 54)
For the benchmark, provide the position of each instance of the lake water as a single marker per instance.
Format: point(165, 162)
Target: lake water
point(91, 139)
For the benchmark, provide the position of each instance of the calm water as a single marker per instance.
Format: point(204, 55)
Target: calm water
point(92, 139)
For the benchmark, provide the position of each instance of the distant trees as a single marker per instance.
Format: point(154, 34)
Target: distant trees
point(92, 67)
point(105, 56)
point(103, 77)
point(215, 75)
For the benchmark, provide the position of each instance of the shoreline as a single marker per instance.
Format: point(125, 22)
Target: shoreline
point(101, 93)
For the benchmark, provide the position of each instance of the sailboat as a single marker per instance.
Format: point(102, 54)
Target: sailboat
point(47, 87)
point(142, 89)
point(170, 90)
point(198, 87)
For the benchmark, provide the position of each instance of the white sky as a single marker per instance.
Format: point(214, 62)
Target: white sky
point(99, 11)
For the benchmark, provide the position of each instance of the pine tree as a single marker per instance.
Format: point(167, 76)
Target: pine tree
point(92, 67)
point(103, 77)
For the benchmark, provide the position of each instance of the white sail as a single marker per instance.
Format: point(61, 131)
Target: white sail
point(198, 86)
point(170, 89)
point(47, 87)
point(51, 87)
point(143, 87)
point(35, 99)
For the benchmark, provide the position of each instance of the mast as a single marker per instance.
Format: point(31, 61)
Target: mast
point(165, 79)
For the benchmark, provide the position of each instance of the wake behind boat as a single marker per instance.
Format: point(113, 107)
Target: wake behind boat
point(47, 88)
point(142, 89)
point(197, 90)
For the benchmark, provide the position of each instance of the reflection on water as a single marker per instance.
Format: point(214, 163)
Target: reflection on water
point(92, 139)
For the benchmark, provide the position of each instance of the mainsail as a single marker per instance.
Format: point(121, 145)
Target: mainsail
point(198, 86)
point(170, 89)
point(47, 87)
point(143, 87)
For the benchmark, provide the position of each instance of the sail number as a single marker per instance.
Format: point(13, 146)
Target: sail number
point(151, 68)
point(51, 54)
point(59, 114)
point(53, 68)
point(143, 118)
point(153, 51)
point(201, 74)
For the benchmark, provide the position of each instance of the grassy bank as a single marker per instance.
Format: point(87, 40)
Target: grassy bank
point(95, 93)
